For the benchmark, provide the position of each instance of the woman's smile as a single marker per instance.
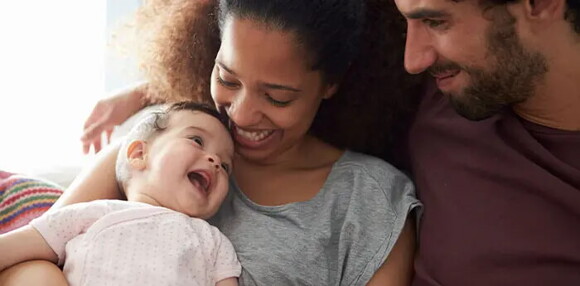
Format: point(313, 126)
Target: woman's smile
point(257, 139)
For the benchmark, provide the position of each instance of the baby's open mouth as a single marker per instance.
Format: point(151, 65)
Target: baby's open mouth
point(200, 180)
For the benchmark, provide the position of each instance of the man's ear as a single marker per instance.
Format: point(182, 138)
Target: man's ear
point(545, 9)
point(137, 155)
point(330, 90)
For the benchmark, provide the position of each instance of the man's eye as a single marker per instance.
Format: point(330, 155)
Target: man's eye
point(433, 23)
point(226, 167)
point(197, 140)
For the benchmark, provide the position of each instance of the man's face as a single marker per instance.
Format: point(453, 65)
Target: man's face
point(475, 55)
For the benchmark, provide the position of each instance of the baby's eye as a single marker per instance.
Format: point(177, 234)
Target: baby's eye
point(226, 167)
point(197, 140)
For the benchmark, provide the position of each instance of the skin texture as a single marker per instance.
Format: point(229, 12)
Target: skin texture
point(259, 96)
point(526, 53)
point(495, 72)
point(375, 91)
point(304, 166)
point(192, 142)
point(111, 112)
point(24, 244)
point(177, 43)
point(34, 272)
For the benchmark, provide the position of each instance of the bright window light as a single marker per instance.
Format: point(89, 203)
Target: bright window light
point(52, 69)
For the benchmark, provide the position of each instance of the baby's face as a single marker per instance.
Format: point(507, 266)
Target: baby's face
point(188, 164)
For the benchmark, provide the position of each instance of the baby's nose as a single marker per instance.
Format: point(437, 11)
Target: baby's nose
point(213, 161)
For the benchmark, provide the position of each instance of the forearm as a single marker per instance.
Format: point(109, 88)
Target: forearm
point(142, 93)
point(24, 244)
point(98, 181)
point(232, 281)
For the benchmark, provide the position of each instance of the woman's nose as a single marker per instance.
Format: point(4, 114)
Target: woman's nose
point(244, 109)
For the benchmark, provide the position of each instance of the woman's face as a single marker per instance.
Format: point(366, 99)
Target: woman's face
point(263, 80)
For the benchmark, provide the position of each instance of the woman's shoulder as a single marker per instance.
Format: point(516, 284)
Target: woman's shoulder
point(362, 165)
point(366, 178)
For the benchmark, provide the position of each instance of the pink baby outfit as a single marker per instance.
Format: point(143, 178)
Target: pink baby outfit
point(110, 242)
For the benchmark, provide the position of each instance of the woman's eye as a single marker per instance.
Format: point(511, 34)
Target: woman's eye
point(277, 103)
point(225, 83)
point(226, 167)
point(198, 140)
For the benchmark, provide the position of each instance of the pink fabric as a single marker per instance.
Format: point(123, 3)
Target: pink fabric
point(111, 242)
point(4, 174)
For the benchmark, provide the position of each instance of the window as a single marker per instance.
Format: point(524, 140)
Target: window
point(52, 72)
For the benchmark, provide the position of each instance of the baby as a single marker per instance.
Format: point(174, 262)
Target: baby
point(173, 169)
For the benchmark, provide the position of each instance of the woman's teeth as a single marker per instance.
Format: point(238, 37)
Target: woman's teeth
point(254, 136)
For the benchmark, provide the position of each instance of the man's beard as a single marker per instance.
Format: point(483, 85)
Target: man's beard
point(511, 80)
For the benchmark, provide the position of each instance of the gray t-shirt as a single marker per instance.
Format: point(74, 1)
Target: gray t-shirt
point(339, 237)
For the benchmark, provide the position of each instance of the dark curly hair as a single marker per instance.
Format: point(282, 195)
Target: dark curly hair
point(329, 30)
point(357, 43)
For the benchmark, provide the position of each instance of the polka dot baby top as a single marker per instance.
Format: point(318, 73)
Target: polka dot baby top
point(110, 242)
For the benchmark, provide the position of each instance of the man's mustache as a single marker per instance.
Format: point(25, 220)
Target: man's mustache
point(443, 67)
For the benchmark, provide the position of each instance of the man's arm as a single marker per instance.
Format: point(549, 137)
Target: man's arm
point(24, 244)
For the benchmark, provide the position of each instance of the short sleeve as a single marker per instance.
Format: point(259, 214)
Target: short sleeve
point(226, 263)
point(382, 200)
point(59, 226)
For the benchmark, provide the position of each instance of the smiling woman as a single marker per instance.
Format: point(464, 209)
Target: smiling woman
point(52, 73)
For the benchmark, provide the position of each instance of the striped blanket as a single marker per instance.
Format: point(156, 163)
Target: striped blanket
point(23, 199)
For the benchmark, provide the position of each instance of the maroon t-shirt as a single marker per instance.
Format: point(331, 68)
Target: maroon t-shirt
point(501, 197)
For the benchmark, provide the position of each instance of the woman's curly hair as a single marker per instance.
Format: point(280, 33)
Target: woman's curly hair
point(178, 42)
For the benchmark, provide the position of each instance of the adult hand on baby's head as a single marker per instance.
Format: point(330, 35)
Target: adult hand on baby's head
point(110, 112)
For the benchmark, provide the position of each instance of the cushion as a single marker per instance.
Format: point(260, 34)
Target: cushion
point(24, 198)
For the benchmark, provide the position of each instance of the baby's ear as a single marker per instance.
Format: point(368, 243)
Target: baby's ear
point(137, 155)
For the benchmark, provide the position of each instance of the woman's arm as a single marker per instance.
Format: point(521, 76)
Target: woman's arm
point(232, 281)
point(397, 270)
point(98, 181)
point(113, 111)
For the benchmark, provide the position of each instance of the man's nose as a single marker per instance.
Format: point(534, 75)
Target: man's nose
point(419, 52)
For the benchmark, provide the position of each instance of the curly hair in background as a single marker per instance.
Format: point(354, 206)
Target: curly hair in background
point(175, 44)
point(178, 42)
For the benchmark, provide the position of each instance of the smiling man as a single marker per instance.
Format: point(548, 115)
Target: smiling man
point(496, 153)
